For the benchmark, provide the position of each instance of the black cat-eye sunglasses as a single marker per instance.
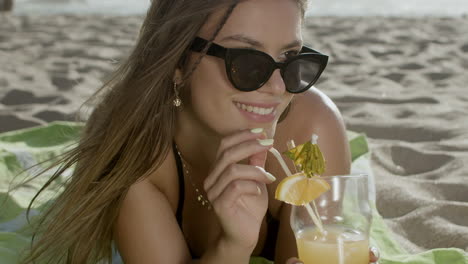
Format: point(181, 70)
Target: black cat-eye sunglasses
point(250, 69)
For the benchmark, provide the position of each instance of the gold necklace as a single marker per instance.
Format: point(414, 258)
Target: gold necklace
point(201, 199)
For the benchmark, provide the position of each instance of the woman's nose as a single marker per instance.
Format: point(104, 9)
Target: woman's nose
point(275, 84)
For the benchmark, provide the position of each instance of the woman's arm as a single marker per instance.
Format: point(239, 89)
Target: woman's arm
point(147, 232)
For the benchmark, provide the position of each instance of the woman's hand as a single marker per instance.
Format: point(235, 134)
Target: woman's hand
point(374, 256)
point(237, 192)
point(293, 261)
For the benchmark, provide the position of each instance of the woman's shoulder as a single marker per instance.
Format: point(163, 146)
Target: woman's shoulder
point(146, 216)
point(312, 112)
point(166, 180)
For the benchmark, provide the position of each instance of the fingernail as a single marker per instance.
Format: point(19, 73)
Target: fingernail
point(375, 252)
point(257, 130)
point(270, 177)
point(266, 142)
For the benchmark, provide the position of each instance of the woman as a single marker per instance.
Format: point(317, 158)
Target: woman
point(173, 164)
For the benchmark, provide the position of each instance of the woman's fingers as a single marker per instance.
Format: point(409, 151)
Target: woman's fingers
point(374, 254)
point(238, 137)
point(235, 172)
point(258, 159)
point(233, 155)
point(294, 261)
point(231, 194)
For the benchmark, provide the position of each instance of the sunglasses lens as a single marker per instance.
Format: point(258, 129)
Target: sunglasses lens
point(249, 71)
point(300, 74)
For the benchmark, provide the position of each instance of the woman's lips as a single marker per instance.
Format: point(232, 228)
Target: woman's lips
point(258, 112)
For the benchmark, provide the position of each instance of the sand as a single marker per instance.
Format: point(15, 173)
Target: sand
point(402, 81)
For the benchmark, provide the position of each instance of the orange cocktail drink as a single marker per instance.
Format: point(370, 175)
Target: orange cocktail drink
point(339, 231)
point(336, 246)
point(330, 215)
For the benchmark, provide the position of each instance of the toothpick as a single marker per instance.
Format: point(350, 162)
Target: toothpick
point(315, 218)
point(315, 210)
point(313, 215)
point(314, 139)
point(292, 145)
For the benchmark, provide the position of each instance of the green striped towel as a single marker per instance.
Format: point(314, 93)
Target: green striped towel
point(23, 148)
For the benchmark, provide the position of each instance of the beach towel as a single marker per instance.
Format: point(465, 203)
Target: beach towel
point(22, 149)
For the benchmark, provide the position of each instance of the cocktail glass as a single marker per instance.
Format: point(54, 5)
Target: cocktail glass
point(341, 236)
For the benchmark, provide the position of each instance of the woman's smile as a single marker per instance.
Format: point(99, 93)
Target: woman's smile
point(258, 112)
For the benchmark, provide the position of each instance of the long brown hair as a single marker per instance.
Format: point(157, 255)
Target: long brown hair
point(126, 138)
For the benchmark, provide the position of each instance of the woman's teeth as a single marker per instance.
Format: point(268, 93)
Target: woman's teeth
point(255, 109)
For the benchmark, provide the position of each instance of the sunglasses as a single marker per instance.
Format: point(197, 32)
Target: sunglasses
point(250, 69)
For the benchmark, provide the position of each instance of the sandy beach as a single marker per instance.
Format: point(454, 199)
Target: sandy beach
point(401, 81)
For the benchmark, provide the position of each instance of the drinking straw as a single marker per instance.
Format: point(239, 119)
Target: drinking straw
point(341, 256)
point(314, 215)
point(281, 161)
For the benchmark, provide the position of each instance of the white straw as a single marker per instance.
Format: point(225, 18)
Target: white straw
point(341, 253)
point(281, 161)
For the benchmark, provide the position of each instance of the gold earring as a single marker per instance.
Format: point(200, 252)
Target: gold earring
point(176, 102)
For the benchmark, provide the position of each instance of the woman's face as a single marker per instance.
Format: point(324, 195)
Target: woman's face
point(271, 26)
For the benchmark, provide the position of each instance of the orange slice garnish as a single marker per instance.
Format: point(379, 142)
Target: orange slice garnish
point(298, 189)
